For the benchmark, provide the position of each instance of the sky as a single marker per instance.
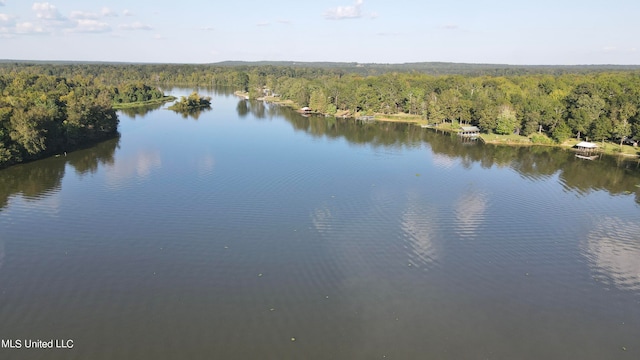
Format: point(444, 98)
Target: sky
point(519, 32)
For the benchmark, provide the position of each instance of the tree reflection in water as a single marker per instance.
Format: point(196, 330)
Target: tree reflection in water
point(39, 178)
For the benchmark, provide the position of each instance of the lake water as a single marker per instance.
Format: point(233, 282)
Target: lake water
point(252, 232)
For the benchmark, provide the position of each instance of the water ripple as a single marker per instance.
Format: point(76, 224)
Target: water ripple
point(613, 250)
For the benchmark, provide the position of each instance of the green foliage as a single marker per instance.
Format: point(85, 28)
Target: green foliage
point(191, 103)
point(135, 92)
point(506, 121)
point(562, 132)
point(540, 139)
point(318, 100)
point(242, 81)
point(41, 115)
point(599, 102)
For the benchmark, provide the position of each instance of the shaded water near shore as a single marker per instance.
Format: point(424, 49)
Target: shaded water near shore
point(231, 233)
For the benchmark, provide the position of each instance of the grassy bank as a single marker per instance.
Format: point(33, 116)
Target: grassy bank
point(118, 106)
point(402, 117)
point(280, 101)
point(537, 139)
point(509, 140)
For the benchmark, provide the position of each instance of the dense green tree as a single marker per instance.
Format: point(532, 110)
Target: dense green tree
point(506, 121)
point(435, 115)
point(44, 114)
point(318, 100)
point(191, 103)
point(561, 132)
point(584, 107)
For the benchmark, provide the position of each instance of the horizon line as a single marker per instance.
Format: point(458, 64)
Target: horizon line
point(313, 62)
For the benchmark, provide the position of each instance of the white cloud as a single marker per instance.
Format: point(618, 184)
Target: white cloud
point(609, 48)
point(135, 26)
point(29, 28)
point(90, 26)
point(206, 28)
point(127, 12)
point(450, 27)
point(106, 12)
point(159, 37)
point(7, 19)
point(263, 23)
point(284, 21)
point(83, 15)
point(345, 12)
point(49, 19)
point(47, 11)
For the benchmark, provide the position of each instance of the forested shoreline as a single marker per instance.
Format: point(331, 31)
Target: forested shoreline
point(43, 115)
point(46, 107)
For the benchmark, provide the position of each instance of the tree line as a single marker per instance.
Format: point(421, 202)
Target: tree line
point(597, 103)
point(42, 115)
point(598, 106)
point(45, 112)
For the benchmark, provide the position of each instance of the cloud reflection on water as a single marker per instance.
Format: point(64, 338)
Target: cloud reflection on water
point(443, 161)
point(470, 211)
point(138, 166)
point(613, 250)
point(205, 164)
point(418, 224)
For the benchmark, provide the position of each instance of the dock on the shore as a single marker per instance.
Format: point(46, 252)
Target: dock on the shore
point(366, 118)
point(469, 131)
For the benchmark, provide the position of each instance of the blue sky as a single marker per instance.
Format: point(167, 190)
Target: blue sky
point(366, 31)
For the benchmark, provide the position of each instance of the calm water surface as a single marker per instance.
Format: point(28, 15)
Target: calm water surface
point(226, 234)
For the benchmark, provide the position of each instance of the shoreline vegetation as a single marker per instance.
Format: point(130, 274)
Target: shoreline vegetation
point(193, 102)
point(47, 107)
point(536, 139)
point(44, 115)
point(47, 115)
point(192, 105)
point(162, 100)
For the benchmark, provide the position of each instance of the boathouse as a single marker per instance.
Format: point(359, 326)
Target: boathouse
point(586, 146)
point(586, 150)
point(469, 131)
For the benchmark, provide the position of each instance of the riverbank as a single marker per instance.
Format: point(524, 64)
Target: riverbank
point(62, 152)
point(604, 147)
point(494, 139)
point(165, 99)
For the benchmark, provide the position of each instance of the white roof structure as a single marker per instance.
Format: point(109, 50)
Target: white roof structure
point(587, 145)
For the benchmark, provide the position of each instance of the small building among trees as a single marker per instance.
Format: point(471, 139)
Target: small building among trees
point(586, 146)
point(469, 131)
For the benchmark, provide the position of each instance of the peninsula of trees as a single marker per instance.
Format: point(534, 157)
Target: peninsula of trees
point(43, 114)
point(136, 94)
